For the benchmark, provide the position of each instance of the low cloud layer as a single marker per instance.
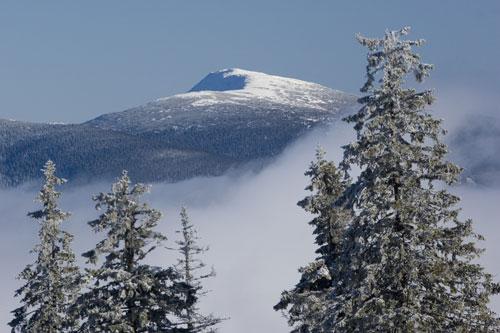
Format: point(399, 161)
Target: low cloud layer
point(257, 235)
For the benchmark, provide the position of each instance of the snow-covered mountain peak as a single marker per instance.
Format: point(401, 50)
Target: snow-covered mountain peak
point(224, 80)
point(241, 79)
point(236, 98)
point(239, 86)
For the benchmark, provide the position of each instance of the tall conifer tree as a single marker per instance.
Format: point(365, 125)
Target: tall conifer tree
point(188, 266)
point(125, 294)
point(408, 262)
point(53, 281)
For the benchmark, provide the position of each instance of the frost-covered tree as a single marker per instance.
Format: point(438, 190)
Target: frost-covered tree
point(53, 281)
point(124, 293)
point(190, 269)
point(407, 261)
point(305, 305)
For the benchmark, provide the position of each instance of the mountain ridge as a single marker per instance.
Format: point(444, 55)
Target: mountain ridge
point(230, 118)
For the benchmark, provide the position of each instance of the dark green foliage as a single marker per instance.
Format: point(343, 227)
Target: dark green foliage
point(87, 153)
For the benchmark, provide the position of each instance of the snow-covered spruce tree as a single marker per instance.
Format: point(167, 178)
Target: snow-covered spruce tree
point(411, 258)
point(53, 281)
point(306, 304)
point(125, 294)
point(188, 266)
point(406, 261)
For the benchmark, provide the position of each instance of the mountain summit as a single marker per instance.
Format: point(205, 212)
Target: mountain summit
point(233, 97)
point(242, 85)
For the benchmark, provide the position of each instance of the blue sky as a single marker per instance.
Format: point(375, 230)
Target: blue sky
point(70, 61)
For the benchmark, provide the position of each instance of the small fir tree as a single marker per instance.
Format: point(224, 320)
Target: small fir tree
point(407, 261)
point(188, 266)
point(305, 305)
point(53, 281)
point(125, 294)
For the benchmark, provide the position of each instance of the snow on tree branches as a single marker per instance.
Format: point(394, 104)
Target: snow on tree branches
point(53, 281)
point(307, 303)
point(125, 294)
point(405, 261)
point(190, 318)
